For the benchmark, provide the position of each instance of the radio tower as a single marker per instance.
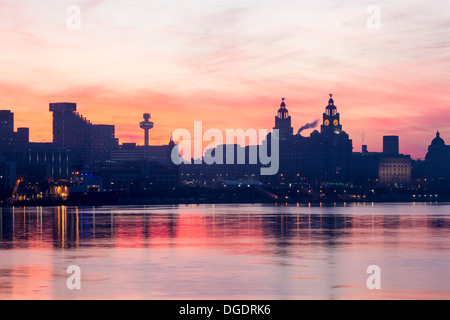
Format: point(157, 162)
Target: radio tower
point(146, 125)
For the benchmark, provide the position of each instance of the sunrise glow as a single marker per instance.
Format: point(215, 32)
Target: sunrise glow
point(228, 63)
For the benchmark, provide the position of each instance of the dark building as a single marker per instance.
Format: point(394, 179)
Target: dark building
point(88, 143)
point(418, 174)
point(88, 157)
point(9, 138)
point(132, 152)
point(331, 119)
point(226, 170)
point(337, 146)
point(324, 156)
point(437, 161)
point(391, 145)
point(8, 174)
point(34, 162)
point(103, 142)
point(365, 168)
point(136, 177)
point(387, 169)
point(37, 162)
point(394, 171)
point(283, 122)
point(22, 136)
point(6, 128)
point(140, 169)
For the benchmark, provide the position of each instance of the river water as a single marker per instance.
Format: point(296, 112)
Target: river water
point(226, 252)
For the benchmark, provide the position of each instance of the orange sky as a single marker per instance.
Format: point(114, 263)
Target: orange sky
point(228, 64)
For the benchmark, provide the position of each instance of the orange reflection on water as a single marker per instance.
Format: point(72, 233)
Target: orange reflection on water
point(252, 251)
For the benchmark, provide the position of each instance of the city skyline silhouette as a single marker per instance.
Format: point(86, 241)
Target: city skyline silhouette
point(194, 63)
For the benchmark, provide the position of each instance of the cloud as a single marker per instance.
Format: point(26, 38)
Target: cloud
point(229, 63)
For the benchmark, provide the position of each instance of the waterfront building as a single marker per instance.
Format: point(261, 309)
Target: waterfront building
point(8, 174)
point(437, 161)
point(132, 152)
point(6, 128)
point(283, 122)
point(387, 169)
point(8, 137)
point(394, 171)
point(324, 156)
point(88, 143)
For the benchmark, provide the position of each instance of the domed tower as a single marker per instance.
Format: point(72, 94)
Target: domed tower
point(437, 149)
point(283, 121)
point(438, 159)
point(331, 122)
point(438, 141)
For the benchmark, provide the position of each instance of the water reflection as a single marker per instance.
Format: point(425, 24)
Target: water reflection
point(73, 227)
point(221, 251)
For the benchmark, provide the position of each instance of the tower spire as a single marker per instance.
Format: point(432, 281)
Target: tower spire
point(331, 118)
point(146, 125)
point(283, 121)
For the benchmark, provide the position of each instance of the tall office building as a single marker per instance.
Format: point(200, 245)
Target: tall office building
point(9, 138)
point(87, 142)
point(70, 129)
point(6, 128)
point(391, 145)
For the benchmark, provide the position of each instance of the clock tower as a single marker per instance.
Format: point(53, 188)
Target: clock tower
point(331, 119)
point(283, 122)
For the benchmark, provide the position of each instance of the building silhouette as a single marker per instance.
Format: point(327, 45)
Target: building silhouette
point(387, 169)
point(225, 171)
point(6, 128)
point(437, 160)
point(336, 145)
point(324, 156)
point(132, 152)
point(391, 145)
point(331, 119)
point(394, 171)
point(283, 122)
point(9, 138)
point(31, 162)
point(85, 158)
point(8, 174)
point(87, 142)
point(146, 125)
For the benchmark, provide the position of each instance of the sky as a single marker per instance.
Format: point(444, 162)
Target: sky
point(228, 63)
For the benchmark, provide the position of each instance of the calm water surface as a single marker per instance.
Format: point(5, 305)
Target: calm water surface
point(226, 251)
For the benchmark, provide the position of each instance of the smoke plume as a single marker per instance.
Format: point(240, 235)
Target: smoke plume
point(311, 125)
